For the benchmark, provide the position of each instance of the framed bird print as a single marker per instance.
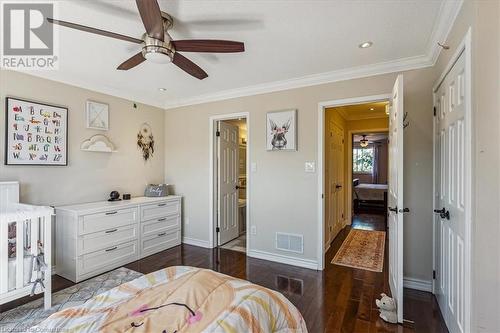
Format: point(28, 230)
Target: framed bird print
point(36, 133)
point(281, 130)
point(97, 115)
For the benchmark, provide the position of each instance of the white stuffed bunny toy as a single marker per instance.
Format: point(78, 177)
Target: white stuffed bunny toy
point(387, 308)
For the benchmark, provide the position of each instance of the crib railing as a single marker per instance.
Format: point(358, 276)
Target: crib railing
point(25, 251)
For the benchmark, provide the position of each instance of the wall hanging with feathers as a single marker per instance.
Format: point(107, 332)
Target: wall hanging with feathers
point(146, 142)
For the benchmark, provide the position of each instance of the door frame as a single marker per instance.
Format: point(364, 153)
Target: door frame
point(349, 166)
point(212, 189)
point(464, 47)
point(321, 163)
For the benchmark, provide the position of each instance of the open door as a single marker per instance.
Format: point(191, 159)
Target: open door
point(227, 175)
point(395, 196)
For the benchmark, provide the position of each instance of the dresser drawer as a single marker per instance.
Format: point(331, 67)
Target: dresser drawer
point(156, 226)
point(109, 258)
point(106, 239)
point(107, 220)
point(159, 242)
point(160, 209)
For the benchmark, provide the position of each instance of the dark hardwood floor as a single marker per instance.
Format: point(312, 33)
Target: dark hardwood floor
point(338, 299)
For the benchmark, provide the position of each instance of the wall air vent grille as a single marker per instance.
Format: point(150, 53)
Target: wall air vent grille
point(289, 242)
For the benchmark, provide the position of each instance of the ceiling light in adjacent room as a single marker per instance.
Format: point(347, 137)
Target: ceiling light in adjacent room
point(365, 45)
point(372, 109)
point(363, 142)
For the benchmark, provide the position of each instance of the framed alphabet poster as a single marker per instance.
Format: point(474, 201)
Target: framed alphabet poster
point(36, 133)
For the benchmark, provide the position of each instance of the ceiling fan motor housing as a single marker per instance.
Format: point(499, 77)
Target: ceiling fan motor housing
point(155, 49)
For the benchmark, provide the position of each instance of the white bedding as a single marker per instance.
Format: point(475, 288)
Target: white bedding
point(370, 191)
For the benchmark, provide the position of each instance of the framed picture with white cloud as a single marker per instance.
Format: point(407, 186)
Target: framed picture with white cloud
point(281, 130)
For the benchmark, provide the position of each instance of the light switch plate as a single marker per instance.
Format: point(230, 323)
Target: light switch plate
point(310, 167)
point(253, 230)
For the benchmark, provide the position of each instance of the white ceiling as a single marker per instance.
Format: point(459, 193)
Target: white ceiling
point(288, 44)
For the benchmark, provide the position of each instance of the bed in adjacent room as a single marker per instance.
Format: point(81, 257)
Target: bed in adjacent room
point(181, 299)
point(369, 196)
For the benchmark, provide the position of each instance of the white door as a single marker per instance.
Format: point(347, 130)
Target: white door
point(450, 201)
point(395, 195)
point(227, 175)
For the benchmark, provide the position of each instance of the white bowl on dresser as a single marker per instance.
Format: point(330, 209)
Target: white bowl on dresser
point(93, 238)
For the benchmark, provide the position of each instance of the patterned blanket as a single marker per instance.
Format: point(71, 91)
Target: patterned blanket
point(180, 299)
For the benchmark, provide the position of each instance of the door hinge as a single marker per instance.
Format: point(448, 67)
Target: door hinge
point(434, 111)
point(217, 133)
point(322, 196)
point(434, 275)
point(217, 229)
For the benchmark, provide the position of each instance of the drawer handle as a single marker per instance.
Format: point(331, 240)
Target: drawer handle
point(110, 231)
point(162, 204)
point(162, 219)
point(162, 234)
point(111, 213)
point(112, 249)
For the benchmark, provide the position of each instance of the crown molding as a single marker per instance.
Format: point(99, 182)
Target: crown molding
point(102, 89)
point(308, 80)
point(448, 12)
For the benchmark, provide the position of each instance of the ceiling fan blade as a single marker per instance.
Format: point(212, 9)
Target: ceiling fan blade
point(208, 45)
point(188, 66)
point(151, 17)
point(132, 62)
point(95, 31)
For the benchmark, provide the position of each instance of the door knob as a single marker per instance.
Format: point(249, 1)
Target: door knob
point(443, 213)
point(404, 210)
point(338, 186)
point(391, 209)
point(237, 187)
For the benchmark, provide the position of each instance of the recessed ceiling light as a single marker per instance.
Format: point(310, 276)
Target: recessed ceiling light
point(162, 89)
point(365, 45)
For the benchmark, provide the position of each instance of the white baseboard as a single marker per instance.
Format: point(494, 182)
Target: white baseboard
point(196, 242)
point(306, 263)
point(53, 271)
point(417, 284)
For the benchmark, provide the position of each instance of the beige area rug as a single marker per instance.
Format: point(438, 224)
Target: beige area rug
point(362, 249)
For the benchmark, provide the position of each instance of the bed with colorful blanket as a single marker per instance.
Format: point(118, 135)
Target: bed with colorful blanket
point(180, 299)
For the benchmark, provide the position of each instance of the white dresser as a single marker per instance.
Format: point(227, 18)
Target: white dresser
point(93, 238)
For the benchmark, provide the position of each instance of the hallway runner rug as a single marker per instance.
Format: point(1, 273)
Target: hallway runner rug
point(362, 249)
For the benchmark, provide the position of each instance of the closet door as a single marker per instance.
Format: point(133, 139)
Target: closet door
point(450, 200)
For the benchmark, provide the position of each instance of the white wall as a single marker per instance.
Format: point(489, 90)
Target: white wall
point(282, 196)
point(88, 176)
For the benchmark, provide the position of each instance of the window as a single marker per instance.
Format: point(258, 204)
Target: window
point(362, 160)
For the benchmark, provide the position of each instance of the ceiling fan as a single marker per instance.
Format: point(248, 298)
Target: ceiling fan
point(158, 46)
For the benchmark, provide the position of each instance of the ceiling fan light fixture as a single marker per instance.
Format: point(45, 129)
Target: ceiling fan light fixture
point(157, 54)
point(365, 45)
point(363, 142)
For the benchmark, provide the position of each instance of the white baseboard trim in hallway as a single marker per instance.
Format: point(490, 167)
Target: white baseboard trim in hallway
point(195, 242)
point(306, 263)
point(417, 284)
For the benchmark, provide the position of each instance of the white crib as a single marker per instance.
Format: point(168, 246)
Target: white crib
point(25, 233)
